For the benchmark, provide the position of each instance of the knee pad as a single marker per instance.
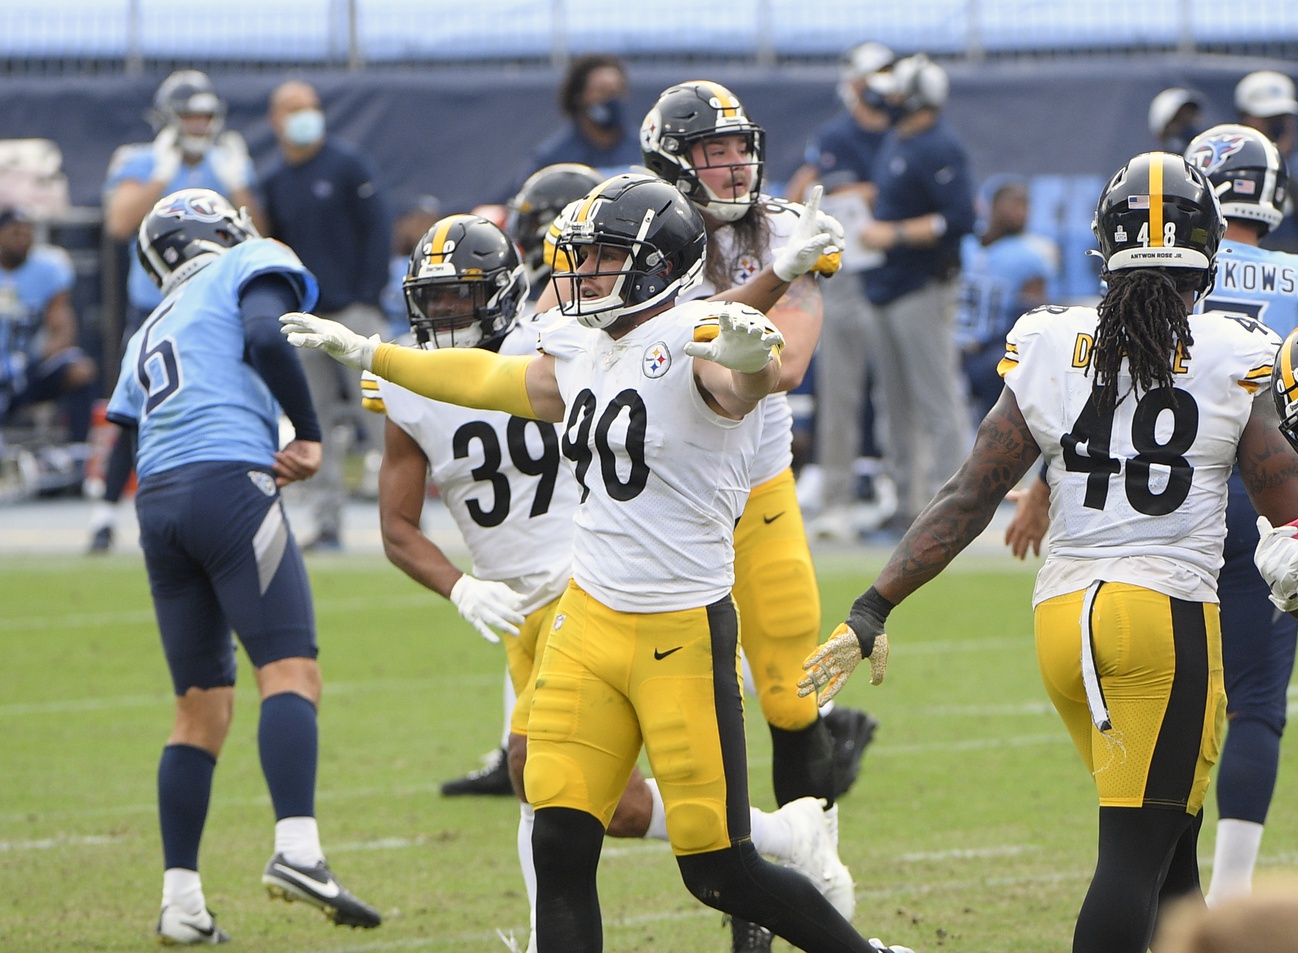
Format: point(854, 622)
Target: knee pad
point(552, 780)
point(696, 826)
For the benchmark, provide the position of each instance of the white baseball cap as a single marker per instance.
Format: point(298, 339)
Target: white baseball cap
point(1166, 104)
point(1264, 94)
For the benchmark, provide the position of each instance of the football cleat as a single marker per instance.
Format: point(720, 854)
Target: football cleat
point(748, 937)
point(491, 778)
point(178, 928)
point(851, 732)
point(319, 887)
point(815, 854)
point(101, 541)
point(878, 946)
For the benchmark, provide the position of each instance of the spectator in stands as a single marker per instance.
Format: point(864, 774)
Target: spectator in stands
point(1004, 274)
point(39, 357)
point(1265, 101)
point(324, 202)
point(923, 208)
point(192, 150)
point(1175, 117)
point(593, 95)
point(841, 157)
point(419, 216)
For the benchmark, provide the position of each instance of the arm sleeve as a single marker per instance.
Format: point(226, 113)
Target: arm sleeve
point(261, 302)
point(470, 377)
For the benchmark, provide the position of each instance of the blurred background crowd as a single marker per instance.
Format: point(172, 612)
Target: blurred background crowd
point(348, 126)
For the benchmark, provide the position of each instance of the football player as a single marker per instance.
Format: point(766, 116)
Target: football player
point(192, 149)
point(538, 203)
point(657, 406)
point(504, 482)
point(698, 137)
point(203, 382)
point(1140, 408)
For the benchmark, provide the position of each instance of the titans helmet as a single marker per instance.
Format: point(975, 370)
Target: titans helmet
point(1246, 170)
point(185, 231)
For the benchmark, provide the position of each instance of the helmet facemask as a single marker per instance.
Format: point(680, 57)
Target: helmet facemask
point(740, 154)
point(455, 313)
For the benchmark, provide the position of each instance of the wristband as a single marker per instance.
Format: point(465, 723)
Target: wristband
point(869, 613)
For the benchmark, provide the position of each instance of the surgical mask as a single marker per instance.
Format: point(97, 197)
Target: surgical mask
point(304, 128)
point(606, 115)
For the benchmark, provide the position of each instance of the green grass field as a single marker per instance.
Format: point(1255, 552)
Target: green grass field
point(970, 830)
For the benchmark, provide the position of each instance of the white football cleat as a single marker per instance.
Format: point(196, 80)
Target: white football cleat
point(178, 928)
point(815, 854)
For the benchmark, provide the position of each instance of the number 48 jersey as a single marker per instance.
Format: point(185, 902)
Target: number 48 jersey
point(1137, 494)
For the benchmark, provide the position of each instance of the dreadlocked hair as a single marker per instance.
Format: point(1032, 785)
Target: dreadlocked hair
point(1144, 319)
point(751, 234)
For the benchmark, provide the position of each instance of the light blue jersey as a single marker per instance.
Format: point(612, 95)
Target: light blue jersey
point(992, 277)
point(1257, 282)
point(25, 293)
point(135, 162)
point(184, 381)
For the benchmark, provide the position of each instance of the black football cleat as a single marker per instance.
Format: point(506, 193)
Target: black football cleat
point(491, 778)
point(851, 732)
point(319, 887)
point(748, 937)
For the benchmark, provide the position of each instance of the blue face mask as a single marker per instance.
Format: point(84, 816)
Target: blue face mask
point(304, 128)
point(606, 115)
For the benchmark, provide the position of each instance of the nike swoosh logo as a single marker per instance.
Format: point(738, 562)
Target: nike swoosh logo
point(328, 889)
point(662, 655)
point(768, 520)
point(205, 931)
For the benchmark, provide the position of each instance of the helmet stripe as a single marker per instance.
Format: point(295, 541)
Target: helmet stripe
point(437, 245)
point(729, 104)
point(1156, 202)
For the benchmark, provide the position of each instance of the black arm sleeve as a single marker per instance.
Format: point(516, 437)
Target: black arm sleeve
point(261, 303)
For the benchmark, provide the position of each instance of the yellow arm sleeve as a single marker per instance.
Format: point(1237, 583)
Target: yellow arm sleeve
point(470, 377)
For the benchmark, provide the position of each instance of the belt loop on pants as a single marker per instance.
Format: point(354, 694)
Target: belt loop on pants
point(1090, 678)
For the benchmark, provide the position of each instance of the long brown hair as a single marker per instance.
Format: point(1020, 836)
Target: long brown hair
point(752, 235)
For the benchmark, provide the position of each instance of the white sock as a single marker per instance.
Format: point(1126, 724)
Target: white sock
point(1233, 859)
point(771, 834)
point(511, 697)
point(526, 821)
point(831, 824)
point(183, 888)
point(657, 815)
point(750, 686)
point(298, 839)
point(826, 708)
point(102, 514)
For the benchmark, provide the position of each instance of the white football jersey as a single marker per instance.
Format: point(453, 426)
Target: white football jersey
point(662, 478)
point(503, 480)
point(1137, 495)
point(776, 452)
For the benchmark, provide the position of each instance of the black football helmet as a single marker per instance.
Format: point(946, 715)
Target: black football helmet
point(543, 196)
point(1247, 171)
point(465, 284)
point(1159, 211)
point(690, 113)
point(185, 231)
point(1284, 387)
point(658, 233)
point(189, 92)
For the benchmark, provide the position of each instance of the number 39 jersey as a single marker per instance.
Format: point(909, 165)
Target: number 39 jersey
point(502, 480)
point(1137, 494)
point(662, 478)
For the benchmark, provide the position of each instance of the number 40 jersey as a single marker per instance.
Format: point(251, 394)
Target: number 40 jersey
point(1138, 493)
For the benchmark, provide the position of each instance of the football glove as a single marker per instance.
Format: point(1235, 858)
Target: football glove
point(337, 340)
point(488, 606)
point(166, 156)
point(815, 245)
point(738, 337)
point(1276, 557)
point(860, 637)
point(230, 162)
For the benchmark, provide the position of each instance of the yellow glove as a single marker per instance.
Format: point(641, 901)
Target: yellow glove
point(861, 637)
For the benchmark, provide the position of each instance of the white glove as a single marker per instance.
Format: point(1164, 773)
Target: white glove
point(230, 162)
point(815, 244)
point(1277, 561)
point(738, 337)
point(488, 606)
point(337, 340)
point(166, 156)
